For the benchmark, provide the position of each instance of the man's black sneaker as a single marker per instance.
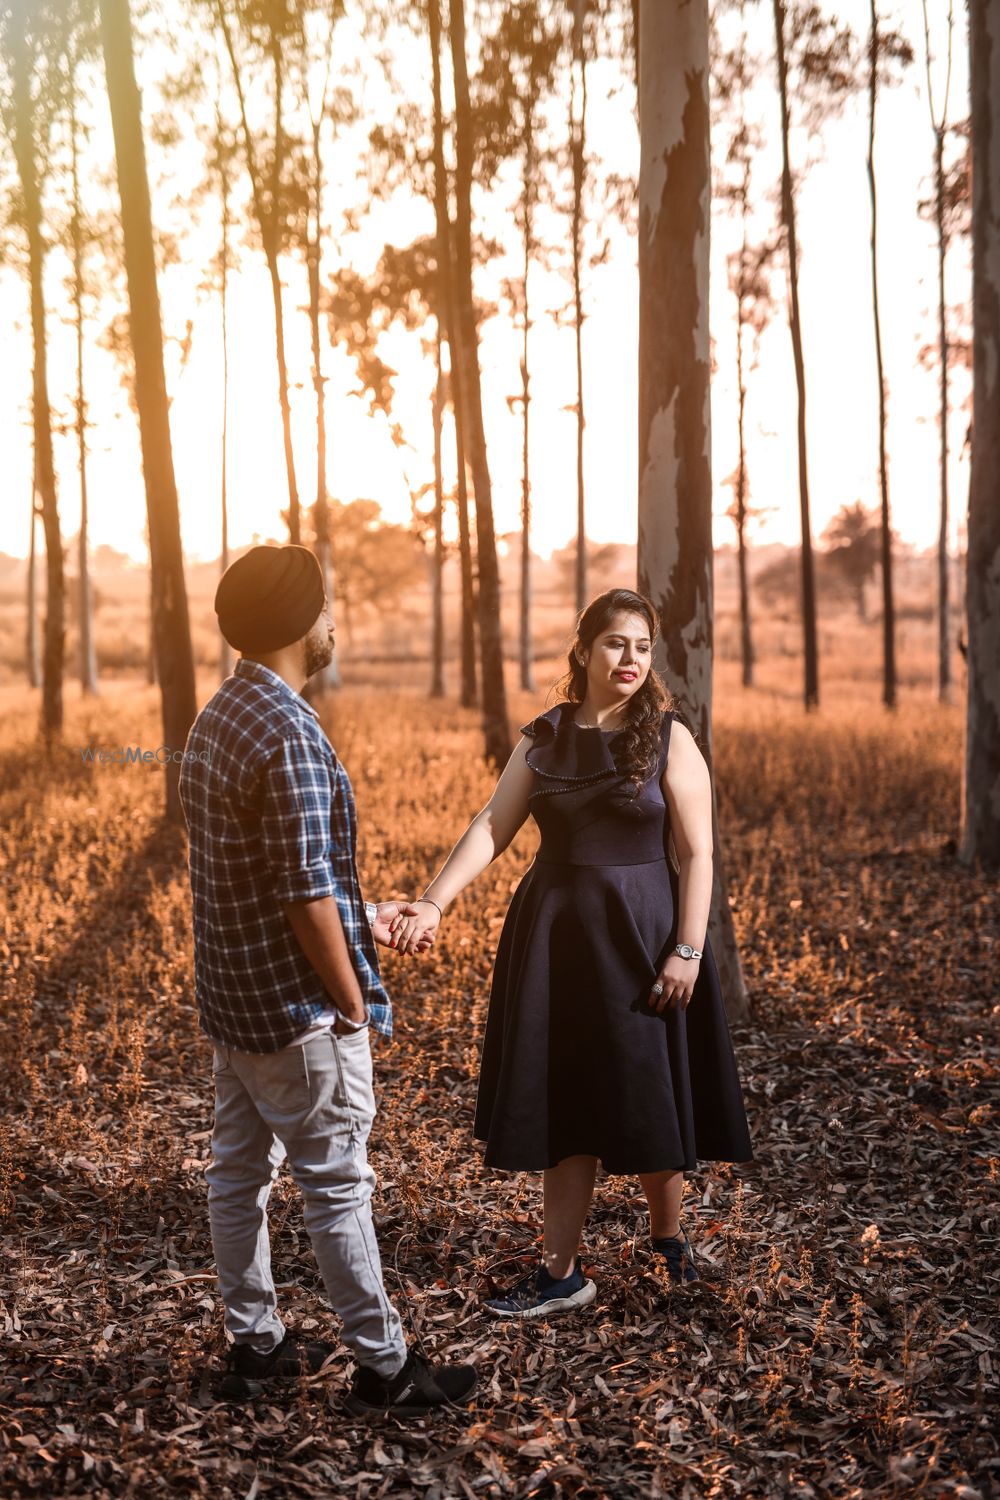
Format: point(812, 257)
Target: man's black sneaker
point(676, 1251)
point(414, 1391)
point(538, 1295)
point(248, 1373)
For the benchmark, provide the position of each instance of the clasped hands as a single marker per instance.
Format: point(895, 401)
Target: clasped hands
point(406, 926)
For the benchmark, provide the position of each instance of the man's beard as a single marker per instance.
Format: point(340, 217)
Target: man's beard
point(319, 654)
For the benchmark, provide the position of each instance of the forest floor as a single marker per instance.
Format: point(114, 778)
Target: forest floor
point(845, 1341)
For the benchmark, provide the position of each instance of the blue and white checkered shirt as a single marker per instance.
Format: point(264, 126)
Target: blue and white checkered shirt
point(271, 819)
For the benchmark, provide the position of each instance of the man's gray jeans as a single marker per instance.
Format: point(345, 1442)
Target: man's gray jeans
point(314, 1104)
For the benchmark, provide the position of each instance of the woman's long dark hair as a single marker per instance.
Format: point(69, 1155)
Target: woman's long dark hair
point(637, 749)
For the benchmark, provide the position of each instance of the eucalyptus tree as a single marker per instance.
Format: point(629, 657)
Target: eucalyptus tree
point(578, 157)
point(402, 291)
point(735, 69)
point(675, 476)
point(495, 721)
point(888, 51)
point(265, 31)
point(32, 88)
point(171, 628)
point(518, 64)
point(816, 73)
point(79, 42)
point(980, 838)
point(322, 104)
point(408, 155)
point(940, 126)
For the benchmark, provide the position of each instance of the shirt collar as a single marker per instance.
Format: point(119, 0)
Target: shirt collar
point(257, 672)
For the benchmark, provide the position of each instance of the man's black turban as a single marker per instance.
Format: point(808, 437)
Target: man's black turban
point(269, 597)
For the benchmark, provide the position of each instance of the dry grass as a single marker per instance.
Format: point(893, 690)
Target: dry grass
point(844, 1343)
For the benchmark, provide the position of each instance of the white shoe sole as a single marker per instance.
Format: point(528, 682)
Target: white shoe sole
point(582, 1298)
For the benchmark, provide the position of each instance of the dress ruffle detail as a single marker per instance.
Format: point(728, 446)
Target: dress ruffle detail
point(562, 751)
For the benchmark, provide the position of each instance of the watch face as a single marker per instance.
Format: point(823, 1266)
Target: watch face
point(685, 950)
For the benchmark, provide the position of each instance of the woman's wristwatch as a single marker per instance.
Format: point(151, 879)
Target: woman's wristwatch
point(686, 951)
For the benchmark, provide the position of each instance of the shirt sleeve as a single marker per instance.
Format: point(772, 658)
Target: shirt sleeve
point(295, 821)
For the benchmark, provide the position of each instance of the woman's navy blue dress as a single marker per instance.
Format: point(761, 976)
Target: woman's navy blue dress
point(574, 1060)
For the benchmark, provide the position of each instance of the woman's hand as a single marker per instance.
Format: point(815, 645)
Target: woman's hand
point(385, 915)
point(678, 978)
point(415, 929)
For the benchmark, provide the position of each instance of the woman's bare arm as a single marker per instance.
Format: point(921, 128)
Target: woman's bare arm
point(687, 789)
point(483, 841)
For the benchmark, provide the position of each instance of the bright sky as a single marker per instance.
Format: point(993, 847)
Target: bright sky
point(363, 462)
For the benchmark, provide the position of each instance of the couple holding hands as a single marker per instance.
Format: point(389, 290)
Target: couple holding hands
point(606, 1038)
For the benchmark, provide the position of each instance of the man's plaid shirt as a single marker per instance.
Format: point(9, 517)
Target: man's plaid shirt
point(271, 818)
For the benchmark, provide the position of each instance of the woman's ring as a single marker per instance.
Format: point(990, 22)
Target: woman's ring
point(657, 989)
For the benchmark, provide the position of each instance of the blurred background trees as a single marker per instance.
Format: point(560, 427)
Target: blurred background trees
point(489, 152)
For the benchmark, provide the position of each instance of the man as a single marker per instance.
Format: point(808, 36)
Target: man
point(287, 983)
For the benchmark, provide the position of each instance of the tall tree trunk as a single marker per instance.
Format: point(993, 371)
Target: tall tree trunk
point(746, 638)
point(26, 155)
point(980, 841)
point(447, 303)
point(527, 651)
point(675, 479)
point(578, 125)
point(810, 646)
point(225, 650)
point(944, 603)
point(495, 722)
point(31, 635)
point(437, 573)
point(272, 248)
point(470, 600)
point(268, 222)
point(174, 660)
point(328, 679)
point(88, 662)
point(888, 611)
point(150, 614)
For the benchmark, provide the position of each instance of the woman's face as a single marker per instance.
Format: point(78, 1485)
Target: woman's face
point(618, 660)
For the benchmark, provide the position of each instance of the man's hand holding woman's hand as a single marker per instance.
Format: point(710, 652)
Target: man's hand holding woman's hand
point(415, 928)
point(393, 912)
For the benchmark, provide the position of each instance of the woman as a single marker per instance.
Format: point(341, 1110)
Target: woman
point(606, 1038)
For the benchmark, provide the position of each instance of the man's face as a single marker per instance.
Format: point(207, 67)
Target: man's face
point(319, 643)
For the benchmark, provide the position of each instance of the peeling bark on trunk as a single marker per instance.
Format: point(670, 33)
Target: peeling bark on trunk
point(888, 610)
point(980, 842)
point(174, 660)
point(496, 725)
point(675, 480)
point(25, 152)
point(810, 645)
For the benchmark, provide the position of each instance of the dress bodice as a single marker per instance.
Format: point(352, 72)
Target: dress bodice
point(585, 809)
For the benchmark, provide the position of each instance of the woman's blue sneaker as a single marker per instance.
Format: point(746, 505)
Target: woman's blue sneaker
point(537, 1295)
point(676, 1251)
